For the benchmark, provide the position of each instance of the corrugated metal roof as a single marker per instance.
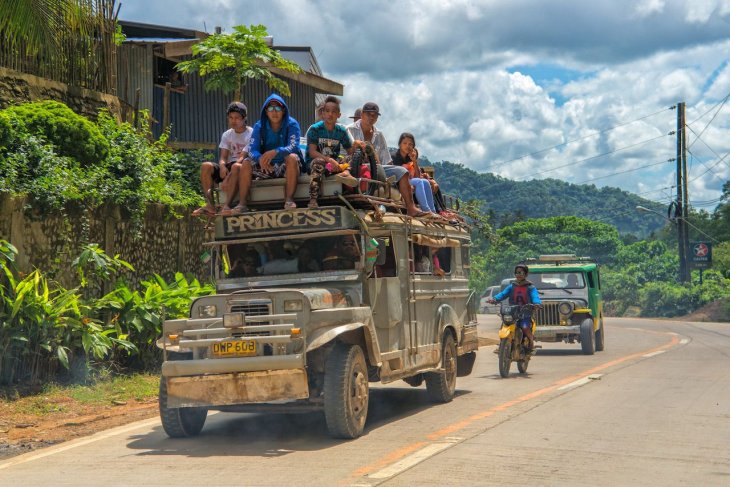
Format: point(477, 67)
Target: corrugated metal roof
point(135, 70)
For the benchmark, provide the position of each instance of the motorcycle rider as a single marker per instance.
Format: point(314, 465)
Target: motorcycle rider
point(520, 292)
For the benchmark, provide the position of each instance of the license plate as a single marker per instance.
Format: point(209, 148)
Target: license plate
point(238, 348)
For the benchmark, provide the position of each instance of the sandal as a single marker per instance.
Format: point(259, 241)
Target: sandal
point(290, 205)
point(236, 210)
point(313, 204)
point(204, 211)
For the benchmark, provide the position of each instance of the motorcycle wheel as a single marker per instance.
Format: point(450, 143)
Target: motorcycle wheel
point(505, 356)
point(522, 364)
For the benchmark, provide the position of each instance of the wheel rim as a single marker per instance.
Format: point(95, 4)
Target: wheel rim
point(450, 367)
point(358, 393)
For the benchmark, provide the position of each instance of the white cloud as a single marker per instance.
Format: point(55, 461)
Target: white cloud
point(645, 8)
point(438, 69)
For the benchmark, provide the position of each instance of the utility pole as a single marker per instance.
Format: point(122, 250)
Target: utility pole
point(682, 196)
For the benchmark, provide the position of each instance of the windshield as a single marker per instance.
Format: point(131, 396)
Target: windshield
point(291, 256)
point(558, 280)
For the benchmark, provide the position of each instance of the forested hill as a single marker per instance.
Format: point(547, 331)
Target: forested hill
point(511, 200)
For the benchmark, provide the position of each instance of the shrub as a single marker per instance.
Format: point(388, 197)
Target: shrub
point(6, 131)
point(72, 135)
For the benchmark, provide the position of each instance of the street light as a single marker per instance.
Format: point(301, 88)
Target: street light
point(682, 245)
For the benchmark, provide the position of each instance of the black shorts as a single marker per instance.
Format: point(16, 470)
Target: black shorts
point(217, 171)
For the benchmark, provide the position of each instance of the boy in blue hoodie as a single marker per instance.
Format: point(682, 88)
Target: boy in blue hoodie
point(274, 151)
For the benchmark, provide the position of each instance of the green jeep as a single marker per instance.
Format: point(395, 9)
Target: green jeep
point(570, 291)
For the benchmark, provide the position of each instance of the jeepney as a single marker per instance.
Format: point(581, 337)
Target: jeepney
point(572, 305)
point(313, 304)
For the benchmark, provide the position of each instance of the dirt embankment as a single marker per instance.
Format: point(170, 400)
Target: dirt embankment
point(24, 432)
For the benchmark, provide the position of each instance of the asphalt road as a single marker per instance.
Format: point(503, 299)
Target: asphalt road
point(653, 409)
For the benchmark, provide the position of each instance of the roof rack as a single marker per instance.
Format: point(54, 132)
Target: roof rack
point(559, 259)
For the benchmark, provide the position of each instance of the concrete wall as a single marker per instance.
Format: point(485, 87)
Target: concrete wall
point(50, 242)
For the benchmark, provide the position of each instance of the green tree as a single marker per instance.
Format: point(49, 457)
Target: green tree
point(34, 22)
point(227, 61)
point(557, 235)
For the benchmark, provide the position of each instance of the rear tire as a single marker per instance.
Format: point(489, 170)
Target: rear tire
point(179, 422)
point(346, 392)
point(600, 338)
point(505, 356)
point(587, 336)
point(441, 385)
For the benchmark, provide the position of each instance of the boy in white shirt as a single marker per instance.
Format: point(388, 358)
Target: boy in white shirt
point(234, 147)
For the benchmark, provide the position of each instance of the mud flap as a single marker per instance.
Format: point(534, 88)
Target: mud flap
point(465, 364)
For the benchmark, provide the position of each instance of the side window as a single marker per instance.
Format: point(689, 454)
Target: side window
point(465, 260)
point(598, 279)
point(422, 260)
point(386, 264)
point(591, 282)
point(444, 255)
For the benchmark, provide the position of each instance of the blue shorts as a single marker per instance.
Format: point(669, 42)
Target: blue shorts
point(525, 323)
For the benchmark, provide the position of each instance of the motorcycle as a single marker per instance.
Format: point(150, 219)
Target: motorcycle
point(514, 346)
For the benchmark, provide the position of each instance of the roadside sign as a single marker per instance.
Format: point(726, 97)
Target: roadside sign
point(700, 255)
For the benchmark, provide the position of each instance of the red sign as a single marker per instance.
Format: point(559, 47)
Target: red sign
point(700, 255)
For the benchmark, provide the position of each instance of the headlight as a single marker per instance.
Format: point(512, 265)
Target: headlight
point(234, 320)
point(292, 305)
point(565, 308)
point(207, 311)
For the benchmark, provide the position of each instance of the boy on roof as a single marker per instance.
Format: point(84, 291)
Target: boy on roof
point(274, 152)
point(325, 140)
point(234, 148)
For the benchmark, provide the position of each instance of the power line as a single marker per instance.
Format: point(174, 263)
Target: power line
point(712, 108)
point(710, 169)
point(579, 138)
point(594, 157)
point(706, 145)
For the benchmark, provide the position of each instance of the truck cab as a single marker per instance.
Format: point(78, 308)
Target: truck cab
point(570, 291)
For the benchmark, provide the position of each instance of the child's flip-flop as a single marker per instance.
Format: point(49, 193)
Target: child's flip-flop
point(290, 205)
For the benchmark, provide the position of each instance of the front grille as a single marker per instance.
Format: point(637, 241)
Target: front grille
point(254, 307)
point(548, 315)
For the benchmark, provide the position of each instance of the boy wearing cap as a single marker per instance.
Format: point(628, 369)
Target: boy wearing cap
point(325, 140)
point(365, 133)
point(274, 151)
point(233, 147)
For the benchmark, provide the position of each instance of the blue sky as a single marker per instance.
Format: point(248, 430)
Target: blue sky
point(573, 90)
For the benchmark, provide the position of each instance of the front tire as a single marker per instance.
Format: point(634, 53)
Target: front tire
point(346, 392)
point(522, 364)
point(505, 356)
point(179, 422)
point(441, 386)
point(600, 338)
point(587, 336)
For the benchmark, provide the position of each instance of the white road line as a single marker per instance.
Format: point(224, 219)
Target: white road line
point(68, 445)
point(413, 459)
point(580, 382)
point(654, 354)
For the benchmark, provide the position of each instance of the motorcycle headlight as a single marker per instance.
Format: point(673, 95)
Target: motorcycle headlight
point(565, 308)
